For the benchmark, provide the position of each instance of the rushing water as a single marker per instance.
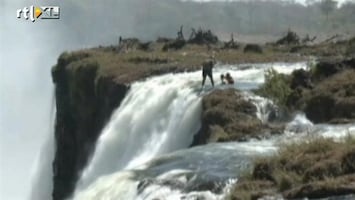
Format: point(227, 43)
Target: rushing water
point(42, 176)
point(142, 152)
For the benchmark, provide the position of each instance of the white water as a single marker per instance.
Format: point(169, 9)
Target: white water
point(179, 175)
point(159, 116)
point(263, 105)
point(173, 176)
point(42, 175)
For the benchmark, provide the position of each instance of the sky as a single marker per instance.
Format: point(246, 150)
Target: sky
point(25, 91)
point(27, 53)
point(299, 1)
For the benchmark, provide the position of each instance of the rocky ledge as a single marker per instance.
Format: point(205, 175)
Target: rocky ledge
point(319, 168)
point(84, 102)
point(332, 95)
point(325, 93)
point(228, 116)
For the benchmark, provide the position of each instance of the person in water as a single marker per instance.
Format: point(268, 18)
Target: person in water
point(207, 71)
point(223, 80)
point(229, 79)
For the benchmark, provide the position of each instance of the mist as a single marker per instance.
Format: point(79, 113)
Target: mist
point(29, 50)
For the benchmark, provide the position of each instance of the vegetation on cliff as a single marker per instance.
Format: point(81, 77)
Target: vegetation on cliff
point(319, 168)
point(276, 87)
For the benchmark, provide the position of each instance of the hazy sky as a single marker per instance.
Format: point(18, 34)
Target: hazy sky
point(300, 1)
point(27, 53)
point(25, 93)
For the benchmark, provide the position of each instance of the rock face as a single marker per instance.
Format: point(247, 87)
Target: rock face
point(328, 93)
point(84, 101)
point(227, 116)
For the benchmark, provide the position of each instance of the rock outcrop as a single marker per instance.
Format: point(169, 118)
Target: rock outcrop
point(227, 116)
point(85, 101)
point(319, 168)
point(327, 94)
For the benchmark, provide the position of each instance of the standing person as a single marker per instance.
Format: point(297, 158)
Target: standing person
point(229, 79)
point(207, 71)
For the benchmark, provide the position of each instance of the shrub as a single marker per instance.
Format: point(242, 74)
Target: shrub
point(276, 87)
point(174, 45)
point(254, 48)
point(286, 180)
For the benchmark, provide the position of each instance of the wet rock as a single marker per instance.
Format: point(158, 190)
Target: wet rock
point(318, 108)
point(301, 78)
point(227, 116)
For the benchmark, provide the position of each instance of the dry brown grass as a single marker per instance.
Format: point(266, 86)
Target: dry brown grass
point(123, 66)
point(314, 168)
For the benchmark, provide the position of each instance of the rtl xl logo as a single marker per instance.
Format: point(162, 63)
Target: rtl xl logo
point(43, 12)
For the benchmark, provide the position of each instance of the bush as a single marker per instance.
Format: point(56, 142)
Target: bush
point(276, 87)
point(290, 38)
point(174, 45)
point(253, 48)
point(203, 37)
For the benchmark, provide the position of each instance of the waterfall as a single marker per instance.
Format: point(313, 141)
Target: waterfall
point(42, 174)
point(158, 116)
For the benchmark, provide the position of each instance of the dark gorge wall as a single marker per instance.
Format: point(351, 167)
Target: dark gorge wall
point(85, 101)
